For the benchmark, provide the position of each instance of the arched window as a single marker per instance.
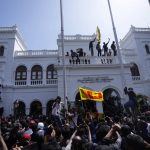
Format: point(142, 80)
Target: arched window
point(135, 70)
point(147, 49)
point(51, 72)
point(21, 73)
point(1, 50)
point(36, 72)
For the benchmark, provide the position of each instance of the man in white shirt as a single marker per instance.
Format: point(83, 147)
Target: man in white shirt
point(56, 111)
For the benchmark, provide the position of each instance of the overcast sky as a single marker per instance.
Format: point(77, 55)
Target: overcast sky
point(39, 20)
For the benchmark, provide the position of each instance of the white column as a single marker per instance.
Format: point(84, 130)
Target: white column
point(44, 110)
point(27, 110)
point(99, 107)
point(44, 76)
point(28, 77)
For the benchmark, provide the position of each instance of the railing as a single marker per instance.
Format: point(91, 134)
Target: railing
point(77, 37)
point(51, 81)
point(135, 78)
point(31, 53)
point(142, 29)
point(36, 82)
point(20, 82)
point(13, 28)
point(93, 60)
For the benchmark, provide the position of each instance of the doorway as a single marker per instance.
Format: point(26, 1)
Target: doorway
point(112, 103)
point(36, 108)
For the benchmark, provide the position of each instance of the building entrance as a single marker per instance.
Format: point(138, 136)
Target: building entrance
point(112, 102)
point(19, 108)
point(36, 108)
point(49, 107)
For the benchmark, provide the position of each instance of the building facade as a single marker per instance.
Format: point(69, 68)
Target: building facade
point(31, 79)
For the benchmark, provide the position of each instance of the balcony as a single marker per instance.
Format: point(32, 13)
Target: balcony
point(135, 78)
point(92, 60)
point(36, 53)
point(20, 82)
point(35, 82)
point(51, 81)
point(77, 37)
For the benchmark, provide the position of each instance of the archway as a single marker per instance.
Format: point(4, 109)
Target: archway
point(112, 102)
point(19, 108)
point(36, 108)
point(49, 107)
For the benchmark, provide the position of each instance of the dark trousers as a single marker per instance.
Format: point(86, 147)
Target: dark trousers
point(57, 120)
point(130, 104)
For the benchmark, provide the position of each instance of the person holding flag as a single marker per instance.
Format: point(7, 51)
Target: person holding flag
point(98, 37)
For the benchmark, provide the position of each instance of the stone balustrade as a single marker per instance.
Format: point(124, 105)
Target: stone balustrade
point(78, 37)
point(35, 82)
point(135, 78)
point(36, 53)
point(90, 60)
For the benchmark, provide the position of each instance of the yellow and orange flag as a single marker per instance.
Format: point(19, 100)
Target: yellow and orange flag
point(87, 94)
point(98, 34)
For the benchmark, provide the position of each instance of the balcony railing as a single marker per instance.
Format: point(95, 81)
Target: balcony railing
point(78, 37)
point(93, 60)
point(135, 78)
point(51, 81)
point(35, 82)
point(20, 82)
point(36, 53)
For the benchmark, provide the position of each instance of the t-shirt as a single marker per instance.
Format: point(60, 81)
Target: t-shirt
point(56, 109)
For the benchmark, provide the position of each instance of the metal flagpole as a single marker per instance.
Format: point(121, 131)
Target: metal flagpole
point(117, 45)
point(63, 57)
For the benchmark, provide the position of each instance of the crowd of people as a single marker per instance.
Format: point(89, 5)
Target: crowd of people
point(77, 130)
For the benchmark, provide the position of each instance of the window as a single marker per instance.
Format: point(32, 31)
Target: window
point(36, 72)
point(1, 50)
point(147, 49)
point(134, 70)
point(51, 72)
point(21, 73)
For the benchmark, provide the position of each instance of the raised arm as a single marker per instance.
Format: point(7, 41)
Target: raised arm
point(68, 147)
point(2, 143)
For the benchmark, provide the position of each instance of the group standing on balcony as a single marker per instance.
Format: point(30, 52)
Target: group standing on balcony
point(105, 50)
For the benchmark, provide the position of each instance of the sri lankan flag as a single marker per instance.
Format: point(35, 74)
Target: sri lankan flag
point(98, 34)
point(87, 94)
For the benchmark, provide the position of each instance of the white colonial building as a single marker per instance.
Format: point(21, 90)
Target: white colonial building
point(31, 79)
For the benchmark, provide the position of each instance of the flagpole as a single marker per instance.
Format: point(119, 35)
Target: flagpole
point(63, 56)
point(119, 53)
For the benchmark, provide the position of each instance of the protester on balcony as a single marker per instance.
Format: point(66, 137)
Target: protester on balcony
point(113, 47)
point(105, 47)
point(91, 47)
point(73, 54)
point(67, 53)
point(98, 47)
point(80, 52)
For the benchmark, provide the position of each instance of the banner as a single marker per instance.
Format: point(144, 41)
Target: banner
point(86, 94)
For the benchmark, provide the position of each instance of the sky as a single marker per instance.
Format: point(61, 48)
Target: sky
point(39, 20)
